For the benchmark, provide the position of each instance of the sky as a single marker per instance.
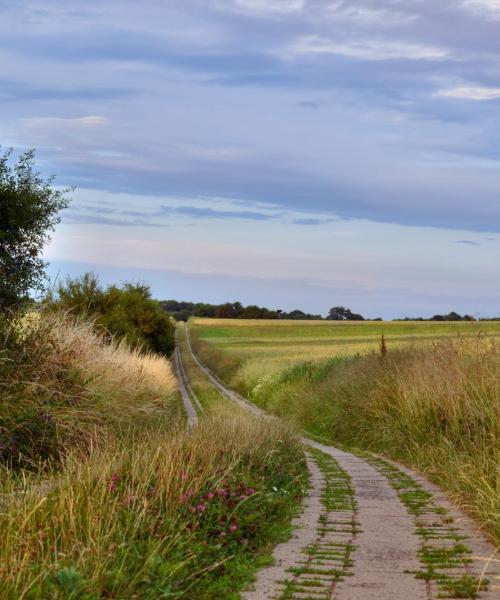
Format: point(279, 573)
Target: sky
point(289, 153)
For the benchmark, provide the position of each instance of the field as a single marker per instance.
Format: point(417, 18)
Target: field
point(432, 400)
point(261, 348)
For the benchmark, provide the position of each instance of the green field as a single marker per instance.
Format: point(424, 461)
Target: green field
point(432, 400)
point(261, 348)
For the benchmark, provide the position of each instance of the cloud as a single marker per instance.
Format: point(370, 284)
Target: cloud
point(468, 242)
point(372, 50)
point(267, 6)
point(487, 8)
point(312, 221)
point(471, 93)
point(78, 122)
point(210, 213)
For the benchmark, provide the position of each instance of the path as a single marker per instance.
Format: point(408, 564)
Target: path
point(387, 534)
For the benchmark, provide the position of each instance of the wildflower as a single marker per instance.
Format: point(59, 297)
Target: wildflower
point(223, 534)
point(184, 476)
point(222, 492)
point(183, 498)
point(243, 497)
point(201, 507)
point(210, 495)
point(114, 482)
point(250, 491)
point(233, 527)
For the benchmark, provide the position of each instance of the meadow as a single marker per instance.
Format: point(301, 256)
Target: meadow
point(103, 491)
point(430, 398)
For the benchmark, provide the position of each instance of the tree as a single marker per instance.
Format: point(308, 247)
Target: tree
point(29, 211)
point(127, 312)
point(340, 313)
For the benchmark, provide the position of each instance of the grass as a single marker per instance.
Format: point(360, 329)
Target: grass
point(105, 495)
point(434, 405)
point(261, 348)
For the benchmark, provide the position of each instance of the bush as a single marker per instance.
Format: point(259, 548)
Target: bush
point(126, 312)
point(65, 386)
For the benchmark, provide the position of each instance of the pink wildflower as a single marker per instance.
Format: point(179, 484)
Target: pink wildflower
point(201, 507)
point(222, 492)
point(183, 498)
point(114, 482)
point(210, 495)
point(233, 527)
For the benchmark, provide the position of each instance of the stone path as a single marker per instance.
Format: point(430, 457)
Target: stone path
point(398, 538)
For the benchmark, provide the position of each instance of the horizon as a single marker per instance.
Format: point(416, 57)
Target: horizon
point(293, 153)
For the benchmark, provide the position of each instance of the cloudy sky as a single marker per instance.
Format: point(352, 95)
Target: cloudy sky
point(292, 153)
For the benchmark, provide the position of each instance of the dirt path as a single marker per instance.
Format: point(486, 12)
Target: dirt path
point(405, 540)
point(184, 386)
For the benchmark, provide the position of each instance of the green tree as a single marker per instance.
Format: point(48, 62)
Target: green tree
point(340, 313)
point(127, 312)
point(29, 211)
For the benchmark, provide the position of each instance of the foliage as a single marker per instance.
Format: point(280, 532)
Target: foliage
point(170, 514)
point(64, 386)
point(340, 313)
point(433, 404)
point(29, 208)
point(182, 311)
point(127, 312)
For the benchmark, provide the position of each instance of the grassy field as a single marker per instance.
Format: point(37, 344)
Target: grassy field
point(103, 492)
point(432, 401)
point(261, 348)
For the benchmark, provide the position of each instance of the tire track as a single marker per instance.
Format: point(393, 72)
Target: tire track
point(389, 551)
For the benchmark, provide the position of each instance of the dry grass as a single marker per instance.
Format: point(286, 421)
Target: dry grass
point(64, 384)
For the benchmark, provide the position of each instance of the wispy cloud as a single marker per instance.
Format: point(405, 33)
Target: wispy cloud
point(366, 49)
point(471, 92)
point(468, 242)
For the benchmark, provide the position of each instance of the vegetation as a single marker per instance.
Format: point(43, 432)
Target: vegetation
point(434, 405)
point(182, 311)
point(127, 312)
point(103, 494)
point(65, 386)
point(29, 208)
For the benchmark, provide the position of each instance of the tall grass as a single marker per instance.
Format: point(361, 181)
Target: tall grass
point(63, 385)
point(105, 495)
point(186, 515)
point(435, 407)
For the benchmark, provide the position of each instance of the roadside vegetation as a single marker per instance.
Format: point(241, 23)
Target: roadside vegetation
point(433, 405)
point(103, 492)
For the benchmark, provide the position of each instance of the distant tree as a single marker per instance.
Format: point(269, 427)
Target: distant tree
point(340, 313)
point(29, 211)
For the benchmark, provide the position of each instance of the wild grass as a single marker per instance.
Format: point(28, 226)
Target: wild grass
point(103, 492)
point(434, 406)
point(184, 515)
point(64, 385)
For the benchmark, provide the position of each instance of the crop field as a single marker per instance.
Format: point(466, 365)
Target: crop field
point(265, 347)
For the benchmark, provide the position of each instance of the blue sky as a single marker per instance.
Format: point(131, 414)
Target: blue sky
point(293, 153)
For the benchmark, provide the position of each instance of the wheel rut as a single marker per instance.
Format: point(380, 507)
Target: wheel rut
point(383, 544)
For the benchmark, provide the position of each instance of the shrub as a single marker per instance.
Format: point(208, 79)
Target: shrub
point(64, 386)
point(126, 312)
